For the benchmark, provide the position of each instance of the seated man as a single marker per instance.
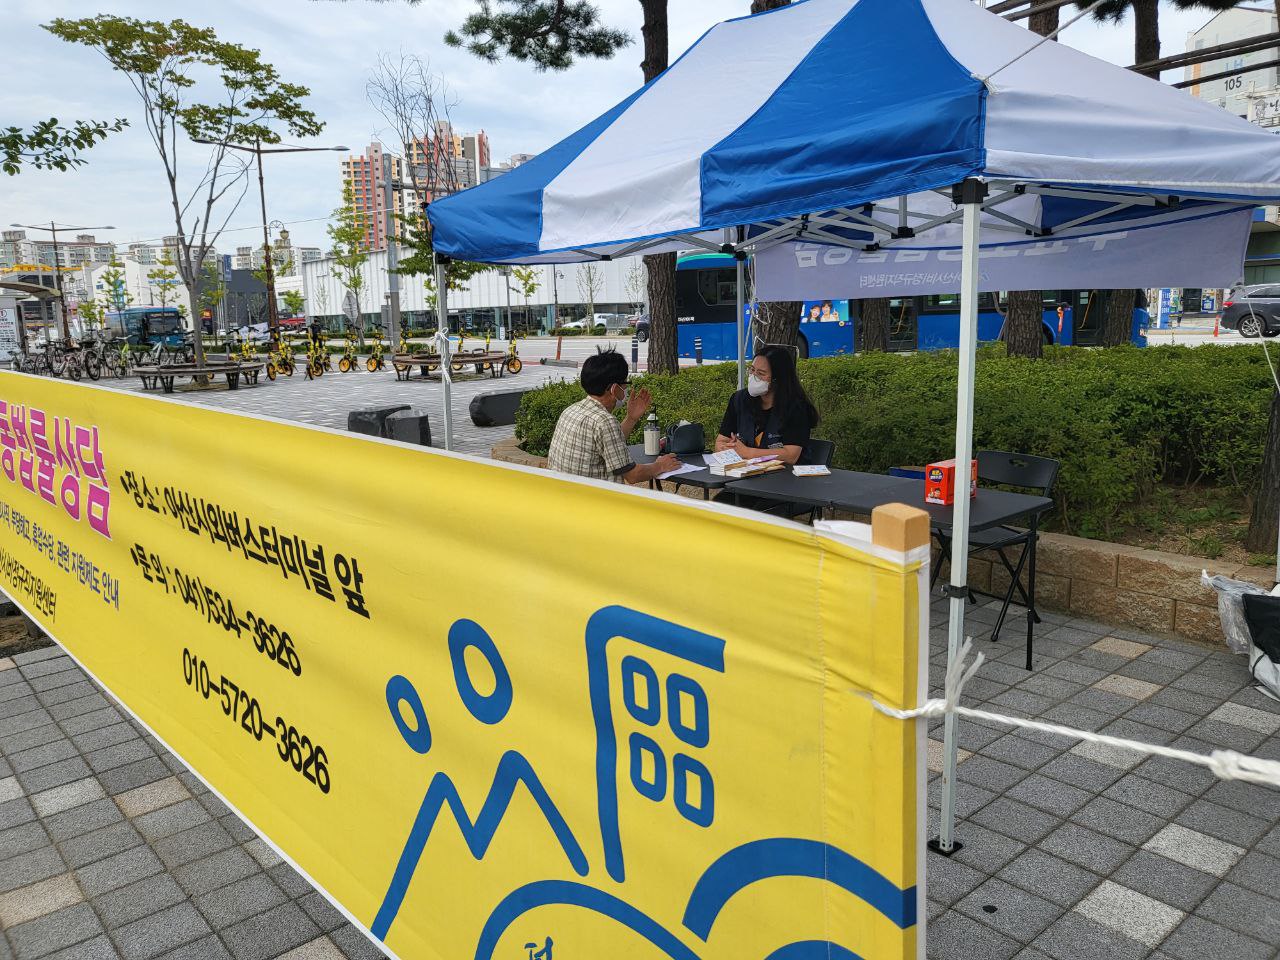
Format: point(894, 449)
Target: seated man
point(589, 441)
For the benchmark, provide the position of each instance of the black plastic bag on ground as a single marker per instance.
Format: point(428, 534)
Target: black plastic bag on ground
point(1262, 614)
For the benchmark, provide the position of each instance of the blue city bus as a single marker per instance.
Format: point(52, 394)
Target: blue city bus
point(706, 301)
point(146, 326)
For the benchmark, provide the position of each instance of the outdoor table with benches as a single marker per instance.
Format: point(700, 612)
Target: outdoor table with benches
point(164, 376)
point(496, 362)
point(860, 493)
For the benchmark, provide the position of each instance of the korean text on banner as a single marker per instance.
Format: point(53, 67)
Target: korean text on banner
point(506, 715)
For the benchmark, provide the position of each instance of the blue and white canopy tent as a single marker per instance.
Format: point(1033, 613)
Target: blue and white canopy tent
point(890, 130)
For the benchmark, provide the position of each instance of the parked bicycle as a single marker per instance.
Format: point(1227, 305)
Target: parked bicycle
point(375, 362)
point(513, 362)
point(279, 360)
point(317, 354)
point(349, 360)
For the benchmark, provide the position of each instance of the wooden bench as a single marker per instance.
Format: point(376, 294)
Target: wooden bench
point(164, 376)
point(497, 363)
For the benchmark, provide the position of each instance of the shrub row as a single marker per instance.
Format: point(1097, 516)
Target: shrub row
point(1119, 420)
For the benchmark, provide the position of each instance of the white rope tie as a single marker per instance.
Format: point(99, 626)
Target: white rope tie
point(1224, 764)
point(444, 346)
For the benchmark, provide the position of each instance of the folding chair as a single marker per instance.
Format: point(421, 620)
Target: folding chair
point(1020, 470)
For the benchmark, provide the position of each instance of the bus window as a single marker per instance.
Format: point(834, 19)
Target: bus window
point(707, 287)
point(941, 303)
point(904, 331)
point(950, 303)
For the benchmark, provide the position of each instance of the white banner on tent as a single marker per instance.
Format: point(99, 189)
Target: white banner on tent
point(1205, 250)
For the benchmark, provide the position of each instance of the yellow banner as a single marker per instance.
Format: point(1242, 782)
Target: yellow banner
point(492, 712)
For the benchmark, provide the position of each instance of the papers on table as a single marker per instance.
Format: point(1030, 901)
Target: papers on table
point(683, 468)
point(738, 468)
point(815, 470)
point(721, 459)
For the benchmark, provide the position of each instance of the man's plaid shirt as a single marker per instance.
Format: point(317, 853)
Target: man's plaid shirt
point(588, 442)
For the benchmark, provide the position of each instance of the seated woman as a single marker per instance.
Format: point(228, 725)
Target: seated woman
point(772, 415)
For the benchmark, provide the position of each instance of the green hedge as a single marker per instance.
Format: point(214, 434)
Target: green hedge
point(1120, 420)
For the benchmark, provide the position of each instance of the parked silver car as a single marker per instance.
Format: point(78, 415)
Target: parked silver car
point(1253, 310)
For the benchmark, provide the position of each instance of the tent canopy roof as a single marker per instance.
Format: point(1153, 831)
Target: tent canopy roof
point(824, 106)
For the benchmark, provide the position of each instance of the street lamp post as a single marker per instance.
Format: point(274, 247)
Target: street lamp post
point(273, 317)
point(57, 272)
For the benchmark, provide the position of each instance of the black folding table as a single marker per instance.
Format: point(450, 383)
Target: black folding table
point(862, 492)
point(704, 479)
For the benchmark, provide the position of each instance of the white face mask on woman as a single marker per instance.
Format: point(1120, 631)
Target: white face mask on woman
point(757, 387)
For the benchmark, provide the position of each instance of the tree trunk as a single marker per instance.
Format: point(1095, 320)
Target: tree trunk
point(1146, 33)
point(1023, 330)
point(661, 268)
point(1266, 502)
point(1046, 21)
point(1023, 325)
point(1118, 329)
point(874, 331)
point(775, 322)
point(654, 32)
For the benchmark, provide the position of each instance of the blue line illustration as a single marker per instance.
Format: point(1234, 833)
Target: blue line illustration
point(605, 625)
point(789, 857)
point(543, 893)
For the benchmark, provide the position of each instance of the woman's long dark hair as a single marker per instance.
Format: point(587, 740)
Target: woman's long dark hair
point(786, 384)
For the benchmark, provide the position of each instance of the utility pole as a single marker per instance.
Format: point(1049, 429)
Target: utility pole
point(57, 277)
point(511, 324)
point(393, 254)
point(273, 318)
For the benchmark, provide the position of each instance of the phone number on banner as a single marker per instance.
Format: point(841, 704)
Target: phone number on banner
point(268, 639)
point(245, 710)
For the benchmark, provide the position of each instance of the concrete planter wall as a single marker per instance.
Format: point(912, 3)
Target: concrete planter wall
point(1111, 582)
point(1116, 583)
point(509, 451)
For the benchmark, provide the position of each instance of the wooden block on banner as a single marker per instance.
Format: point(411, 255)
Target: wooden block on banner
point(896, 526)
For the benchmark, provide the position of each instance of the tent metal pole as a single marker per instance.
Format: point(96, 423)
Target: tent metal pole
point(442, 338)
point(740, 299)
point(970, 195)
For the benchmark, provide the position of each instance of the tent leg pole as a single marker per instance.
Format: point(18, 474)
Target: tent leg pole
point(741, 300)
point(971, 195)
point(446, 382)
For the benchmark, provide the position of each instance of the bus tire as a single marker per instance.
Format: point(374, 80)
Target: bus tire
point(802, 347)
point(1046, 335)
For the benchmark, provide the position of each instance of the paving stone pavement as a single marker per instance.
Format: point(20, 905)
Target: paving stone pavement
point(327, 401)
point(109, 848)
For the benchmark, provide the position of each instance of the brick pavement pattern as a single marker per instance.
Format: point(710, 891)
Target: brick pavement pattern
point(110, 848)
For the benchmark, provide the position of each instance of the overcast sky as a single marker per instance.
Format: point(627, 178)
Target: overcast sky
point(330, 46)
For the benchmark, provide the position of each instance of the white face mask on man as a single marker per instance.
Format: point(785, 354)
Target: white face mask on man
point(757, 387)
point(621, 403)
